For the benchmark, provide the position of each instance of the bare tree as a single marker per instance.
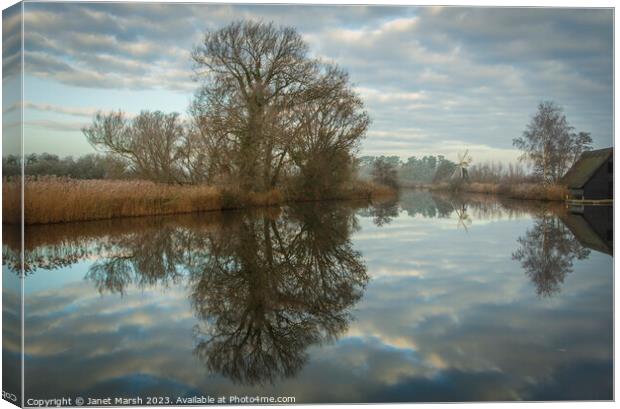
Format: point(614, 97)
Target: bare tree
point(249, 70)
point(550, 144)
point(329, 129)
point(385, 173)
point(260, 90)
point(264, 112)
point(194, 160)
point(151, 142)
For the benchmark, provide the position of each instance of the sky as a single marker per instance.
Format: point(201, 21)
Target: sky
point(434, 80)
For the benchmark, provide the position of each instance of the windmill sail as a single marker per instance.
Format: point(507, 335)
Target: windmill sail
point(460, 173)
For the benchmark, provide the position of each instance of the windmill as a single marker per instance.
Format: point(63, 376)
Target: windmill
point(460, 173)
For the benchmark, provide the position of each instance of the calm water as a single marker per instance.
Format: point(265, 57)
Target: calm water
point(428, 298)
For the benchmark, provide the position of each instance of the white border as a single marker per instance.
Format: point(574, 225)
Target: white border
point(525, 3)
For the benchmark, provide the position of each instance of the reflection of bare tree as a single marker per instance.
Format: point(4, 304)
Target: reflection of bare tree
point(142, 258)
point(424, 203)
point(382, 211)
point(54, 246)
point(466, 206)
point(271, 288)
point(488, 207)
point(48, 257)
point(264, 286)
point(547, 252)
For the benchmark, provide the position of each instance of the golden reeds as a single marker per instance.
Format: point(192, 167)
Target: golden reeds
point(527, 191)
point(57, 200)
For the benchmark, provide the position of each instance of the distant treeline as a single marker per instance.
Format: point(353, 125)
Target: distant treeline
point(434, 169)
point(91, 166)
point(427, 169)
point(382, 169)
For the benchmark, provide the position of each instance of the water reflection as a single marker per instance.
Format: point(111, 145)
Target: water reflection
point(157, 255)
point(148, 252)
point(425, 204)
point(593, 226)
point(382, 211)
point(265, 286)
point(277, 299)
point(270, 288)
point(547, 252)
point(463, 217)
point(11, 315)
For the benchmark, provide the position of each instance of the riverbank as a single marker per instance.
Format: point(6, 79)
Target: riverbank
point(523, 191)
point(58, 200)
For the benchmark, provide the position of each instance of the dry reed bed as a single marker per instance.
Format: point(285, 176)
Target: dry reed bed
point(57, 200)
point(526, 191)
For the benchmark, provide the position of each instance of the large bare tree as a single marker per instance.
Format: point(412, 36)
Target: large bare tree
point(259, 86)
point(265, 112)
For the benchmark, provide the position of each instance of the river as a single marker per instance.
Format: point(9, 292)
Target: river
point(424, 298)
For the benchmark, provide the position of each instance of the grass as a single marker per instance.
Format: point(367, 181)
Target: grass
point(57, 200)
point(525, 191)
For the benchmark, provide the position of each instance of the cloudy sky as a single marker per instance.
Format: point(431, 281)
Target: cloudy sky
point(434, 80)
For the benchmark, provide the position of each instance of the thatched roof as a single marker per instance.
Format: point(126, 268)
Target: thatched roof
point(585, 167)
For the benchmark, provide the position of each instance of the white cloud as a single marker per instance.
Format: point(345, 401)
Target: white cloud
point(55, 125)
point(74, 111)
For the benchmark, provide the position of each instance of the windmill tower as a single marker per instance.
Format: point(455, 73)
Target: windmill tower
point(460, 173)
